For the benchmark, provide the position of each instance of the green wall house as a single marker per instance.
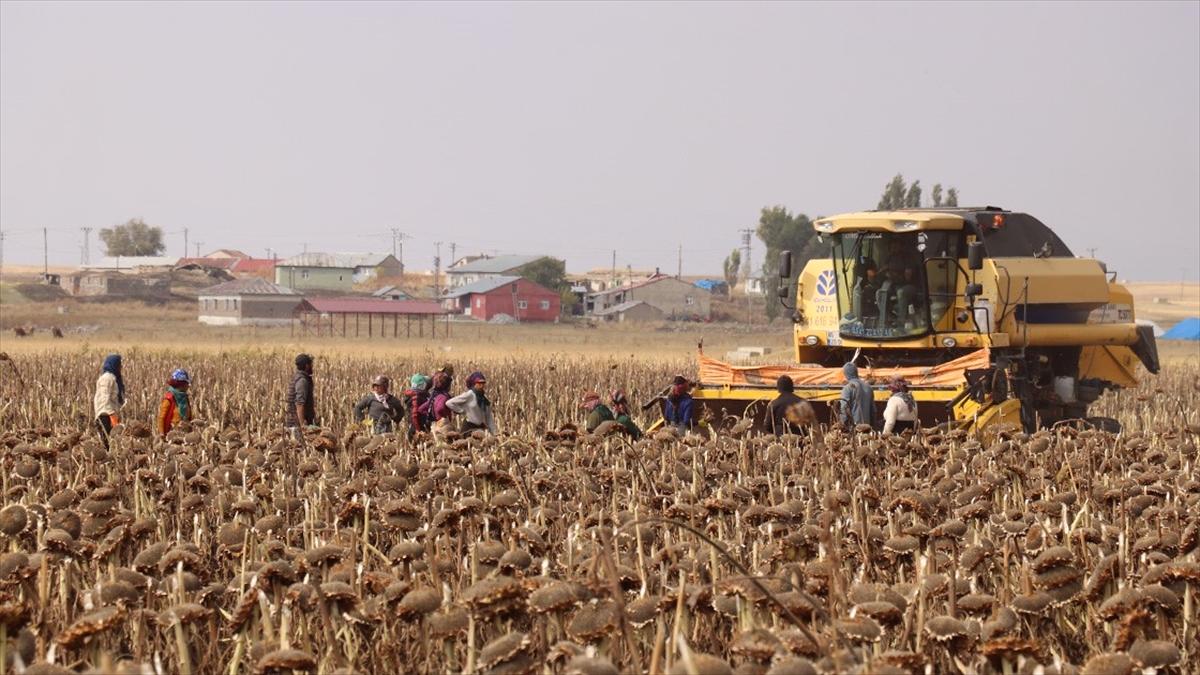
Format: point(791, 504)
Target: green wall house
point(334, 271)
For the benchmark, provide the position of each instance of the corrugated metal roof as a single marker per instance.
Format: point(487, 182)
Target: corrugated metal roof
point(496, 265)
point(482, 286)
point(370, 306)
point(390, 290)
point(247, 287)
point(129, 262)
point(254, 265)
point(342, 260)
point(624, 306)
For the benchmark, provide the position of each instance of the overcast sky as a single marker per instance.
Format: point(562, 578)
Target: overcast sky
point(575, 129)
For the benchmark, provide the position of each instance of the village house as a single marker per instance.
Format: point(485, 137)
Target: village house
point(522, 299)
point(334, 271)
point(675, 298)
point(468, 271)
point(247, 302)
point(112, 284)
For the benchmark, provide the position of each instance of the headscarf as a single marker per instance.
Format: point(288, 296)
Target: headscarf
point(179, 379)
point(679, 387)
point(441, 381)
point(850, 371)
point(899, 387)
point(590, 400)
point(473, 379)
point(620, 403)
point(112, 364)
point(419, 382)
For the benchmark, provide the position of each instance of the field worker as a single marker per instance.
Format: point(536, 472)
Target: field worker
point(474, 406)
point(677, 407)
point(301, 407)
point(448, 371)
point(777, 410)
point(110, 396)
point(380, 407)
point(901, 412)
point(437, 414)
point(416, 396)
point(858, 402)
point(176, 404)
point(620, 408)
point(597, 412)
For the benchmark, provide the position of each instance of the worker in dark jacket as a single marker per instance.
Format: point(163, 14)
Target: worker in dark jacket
point(597, 412)
point(677, 406)
point(857, 399)
point(380, 407)
point(620, 408)
point(779, 422)
point(300, 408)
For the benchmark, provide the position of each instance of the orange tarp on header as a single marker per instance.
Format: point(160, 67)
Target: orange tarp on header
point(949, 374)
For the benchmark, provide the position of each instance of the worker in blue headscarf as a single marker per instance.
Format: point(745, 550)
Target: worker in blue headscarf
point(110, 396)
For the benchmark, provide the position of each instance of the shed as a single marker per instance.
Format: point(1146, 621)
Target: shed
point(391, 292)
point(247, 302)
point(635, 310)
point(373, 317)
point(520, 298)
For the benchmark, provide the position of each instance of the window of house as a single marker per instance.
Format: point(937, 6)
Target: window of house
point(522, 304)
point(303, 274)
point(689, 300)
point(478, 303)
point(544, 304)
point(235, 303)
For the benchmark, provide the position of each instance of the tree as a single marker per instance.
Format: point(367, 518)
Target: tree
point(134, 238)
point(782, 231)
point(893, 194)
point(912, 198)
point(732, 264)
point(549, 272)
point(898, 194)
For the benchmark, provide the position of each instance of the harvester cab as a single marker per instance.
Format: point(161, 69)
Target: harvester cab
point(985, 312)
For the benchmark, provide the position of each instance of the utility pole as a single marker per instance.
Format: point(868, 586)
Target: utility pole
point(1, 253)
point(45, 254)
point(1092, 252)
point(198, 245)
point(87, 253)
point(747, 238)
point(437, 269)
point(185, 248)
point(679, 267)
point(453, 253)
point(612, 281)
point(398, 238)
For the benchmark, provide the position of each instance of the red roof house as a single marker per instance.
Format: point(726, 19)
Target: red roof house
point(519, 298)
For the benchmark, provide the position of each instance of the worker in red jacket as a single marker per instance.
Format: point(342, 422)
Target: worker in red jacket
point(176, 405)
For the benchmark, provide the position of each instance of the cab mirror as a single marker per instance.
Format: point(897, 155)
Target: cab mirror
point(973, 290)
point(785, 265)
point(783, 292)
point(975, 255)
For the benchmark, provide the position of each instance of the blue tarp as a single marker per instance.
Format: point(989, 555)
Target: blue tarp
point(711, 285)
point(1188, 329)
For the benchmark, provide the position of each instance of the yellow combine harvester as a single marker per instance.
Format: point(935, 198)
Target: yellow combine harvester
point(985, 312)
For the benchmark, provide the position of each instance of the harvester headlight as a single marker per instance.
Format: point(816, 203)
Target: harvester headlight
point(824, 226)
point(904, 225)
point(812, 340)
point(949, 342)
